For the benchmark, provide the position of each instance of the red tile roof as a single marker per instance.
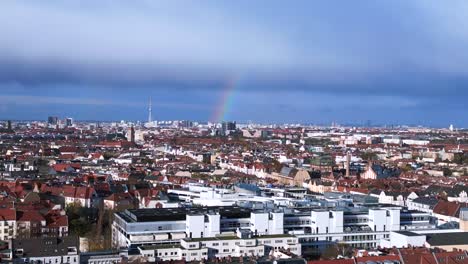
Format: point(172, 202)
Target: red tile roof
point(7, 214)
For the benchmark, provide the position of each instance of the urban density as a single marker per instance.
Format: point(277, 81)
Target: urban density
point(156, 191)
point(234, 131)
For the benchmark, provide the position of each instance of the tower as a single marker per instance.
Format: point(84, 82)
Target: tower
point(348, 163)
point(131, 134)
point(68, 122)
point(149, 111)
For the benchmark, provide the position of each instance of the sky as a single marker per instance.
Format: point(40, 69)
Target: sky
point(271, 61)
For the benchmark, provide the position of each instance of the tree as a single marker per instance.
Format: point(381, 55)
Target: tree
point(460, 158)
point(407, 168)
point(447, 171)
point(79, 227)
point(331, 252)
point(369, 156)
point(344, 249)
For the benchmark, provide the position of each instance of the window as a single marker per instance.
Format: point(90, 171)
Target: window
point(278, 241)
point(225, 244)
point(194, 254)
point(215, 244)
point(225, 250)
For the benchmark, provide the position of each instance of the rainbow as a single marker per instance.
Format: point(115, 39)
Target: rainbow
point(225, 101)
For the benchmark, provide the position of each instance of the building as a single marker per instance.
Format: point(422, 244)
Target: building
point(376, 171)
point(294, 176)
point(448, 241)
point(131, 134)
point(30, 224)
point(313, 228)
point(227, 128)
point(46, 250)
point(52, 120)
point(239, 245)
point(101, 257)
point(68, 122)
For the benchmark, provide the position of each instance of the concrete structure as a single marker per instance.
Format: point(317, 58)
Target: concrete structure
point(46, 250)
point(314, 228)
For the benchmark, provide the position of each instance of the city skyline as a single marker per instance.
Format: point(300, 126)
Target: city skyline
point(392, 63)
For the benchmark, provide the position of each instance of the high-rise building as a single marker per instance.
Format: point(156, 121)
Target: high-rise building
point(9, 125)
point(131, 134)
point(228, 126)
point(52, 120)
point(69, 122)
point(185, 124)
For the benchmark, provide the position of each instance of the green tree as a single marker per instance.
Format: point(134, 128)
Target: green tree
point(79, 227)
point(447, 171)
point(407, 168)
point(331, 252)
point(369, 156)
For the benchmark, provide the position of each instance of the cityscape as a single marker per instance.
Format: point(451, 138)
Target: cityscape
point(253, 132)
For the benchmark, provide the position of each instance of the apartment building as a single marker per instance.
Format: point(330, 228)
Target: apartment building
point(46, 250)
point(31, 224)
point(239, 245)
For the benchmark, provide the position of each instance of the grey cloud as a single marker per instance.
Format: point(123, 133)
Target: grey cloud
point(399, 47)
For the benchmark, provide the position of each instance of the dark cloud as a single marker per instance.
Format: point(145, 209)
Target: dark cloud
point(377, 55)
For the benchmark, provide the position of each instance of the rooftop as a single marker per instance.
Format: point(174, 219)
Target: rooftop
point(447, 239)
point(179, 214)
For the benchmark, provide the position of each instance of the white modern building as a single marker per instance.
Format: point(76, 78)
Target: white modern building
point(154, 231)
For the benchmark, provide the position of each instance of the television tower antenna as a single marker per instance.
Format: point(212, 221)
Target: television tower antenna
point(149, 111)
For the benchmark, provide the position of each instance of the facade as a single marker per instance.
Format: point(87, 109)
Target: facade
point(292, 176)
point(155, 231)
point(46, 250)
point(242, 244)
point(32, 224)
point(101, 257)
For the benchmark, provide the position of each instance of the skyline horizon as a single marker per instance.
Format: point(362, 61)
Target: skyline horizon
point(363, 124)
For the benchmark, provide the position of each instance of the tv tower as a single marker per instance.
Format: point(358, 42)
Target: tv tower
point(149, 111)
